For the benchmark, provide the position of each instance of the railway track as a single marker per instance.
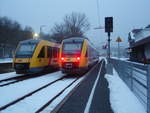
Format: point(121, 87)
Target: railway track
point(60, 84)
point(29, 94)
point(56, 96)
point(33, 94)
point(12, 80)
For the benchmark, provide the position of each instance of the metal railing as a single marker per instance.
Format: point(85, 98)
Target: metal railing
point(137, 77)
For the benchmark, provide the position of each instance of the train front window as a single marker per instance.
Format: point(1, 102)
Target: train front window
point(25, 50)
point(72, 47)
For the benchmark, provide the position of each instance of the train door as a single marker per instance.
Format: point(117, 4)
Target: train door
point(42, 58)
point(47, 58)
point(84, 55)
point(49, 55)
point(55, 54)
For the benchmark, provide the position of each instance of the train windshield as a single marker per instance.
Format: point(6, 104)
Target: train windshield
point(25, 50)
point(72, 47)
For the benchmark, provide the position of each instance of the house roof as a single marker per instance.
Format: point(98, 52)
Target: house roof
point(141, 42)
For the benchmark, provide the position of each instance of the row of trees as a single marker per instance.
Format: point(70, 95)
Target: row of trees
point(11, 32)
point(74, 24)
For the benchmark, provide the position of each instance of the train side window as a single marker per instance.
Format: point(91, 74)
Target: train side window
point(42, 53)
point(86, 54)
point(55, 52)
point(49, 52)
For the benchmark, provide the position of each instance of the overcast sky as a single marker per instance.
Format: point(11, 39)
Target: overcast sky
point(127, 14)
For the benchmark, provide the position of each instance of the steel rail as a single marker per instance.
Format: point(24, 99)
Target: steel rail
point(29, 94)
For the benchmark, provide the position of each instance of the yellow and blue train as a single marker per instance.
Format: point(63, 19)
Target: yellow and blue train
point(77, 54)
point(34, 56)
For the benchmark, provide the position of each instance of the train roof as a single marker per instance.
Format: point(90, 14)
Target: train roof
point(30, 41)
point(75, 39)
point(35, 41)
point(79, 39)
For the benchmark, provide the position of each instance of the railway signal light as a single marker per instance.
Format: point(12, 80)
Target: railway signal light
point(109, 24)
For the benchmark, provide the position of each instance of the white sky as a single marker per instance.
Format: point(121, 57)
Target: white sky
point(128, 14)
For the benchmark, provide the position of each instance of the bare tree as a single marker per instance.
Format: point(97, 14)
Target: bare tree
point(11, 33)
point(74, 25)
point(58, 32)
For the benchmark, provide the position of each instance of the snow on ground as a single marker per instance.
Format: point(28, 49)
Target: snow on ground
point(125, 59)
point(6, 60)
point(62, 96)
point(25, 87)
point(9, 75)
point(100, 58)
point(121, 98)
point(6, 82)
point(33, 103)
point(37, 100)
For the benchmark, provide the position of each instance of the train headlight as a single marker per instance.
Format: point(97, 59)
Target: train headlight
point(62, 59)
point(78, 58)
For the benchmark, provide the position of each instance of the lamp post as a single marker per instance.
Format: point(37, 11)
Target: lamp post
point(41, 29)
point(35, 35)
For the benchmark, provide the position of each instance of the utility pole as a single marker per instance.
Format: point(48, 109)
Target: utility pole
point(41, 30)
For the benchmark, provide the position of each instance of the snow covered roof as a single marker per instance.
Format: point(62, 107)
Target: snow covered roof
point(140, 36)
point(141, 42)
point(132, 35)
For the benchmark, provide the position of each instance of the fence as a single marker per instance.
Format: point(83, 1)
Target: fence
point(137, 77)
point(6, 51)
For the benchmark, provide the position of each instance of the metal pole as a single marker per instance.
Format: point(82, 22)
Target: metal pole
point(148, 89)
point(109, 65)
point(41, 29)
point(108, 45)
point(131, 77)
point(118, 50)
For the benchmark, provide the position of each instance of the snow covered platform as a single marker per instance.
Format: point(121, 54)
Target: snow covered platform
point(6, 65)
point(122, 98)
point(6, 60)
point(91, 96)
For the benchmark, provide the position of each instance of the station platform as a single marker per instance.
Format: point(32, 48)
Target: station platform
point(91, 96)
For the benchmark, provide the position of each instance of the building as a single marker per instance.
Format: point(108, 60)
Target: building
point(139, 42)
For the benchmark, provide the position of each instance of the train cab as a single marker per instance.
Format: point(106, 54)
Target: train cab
point(34, 56)
point(74, 55)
